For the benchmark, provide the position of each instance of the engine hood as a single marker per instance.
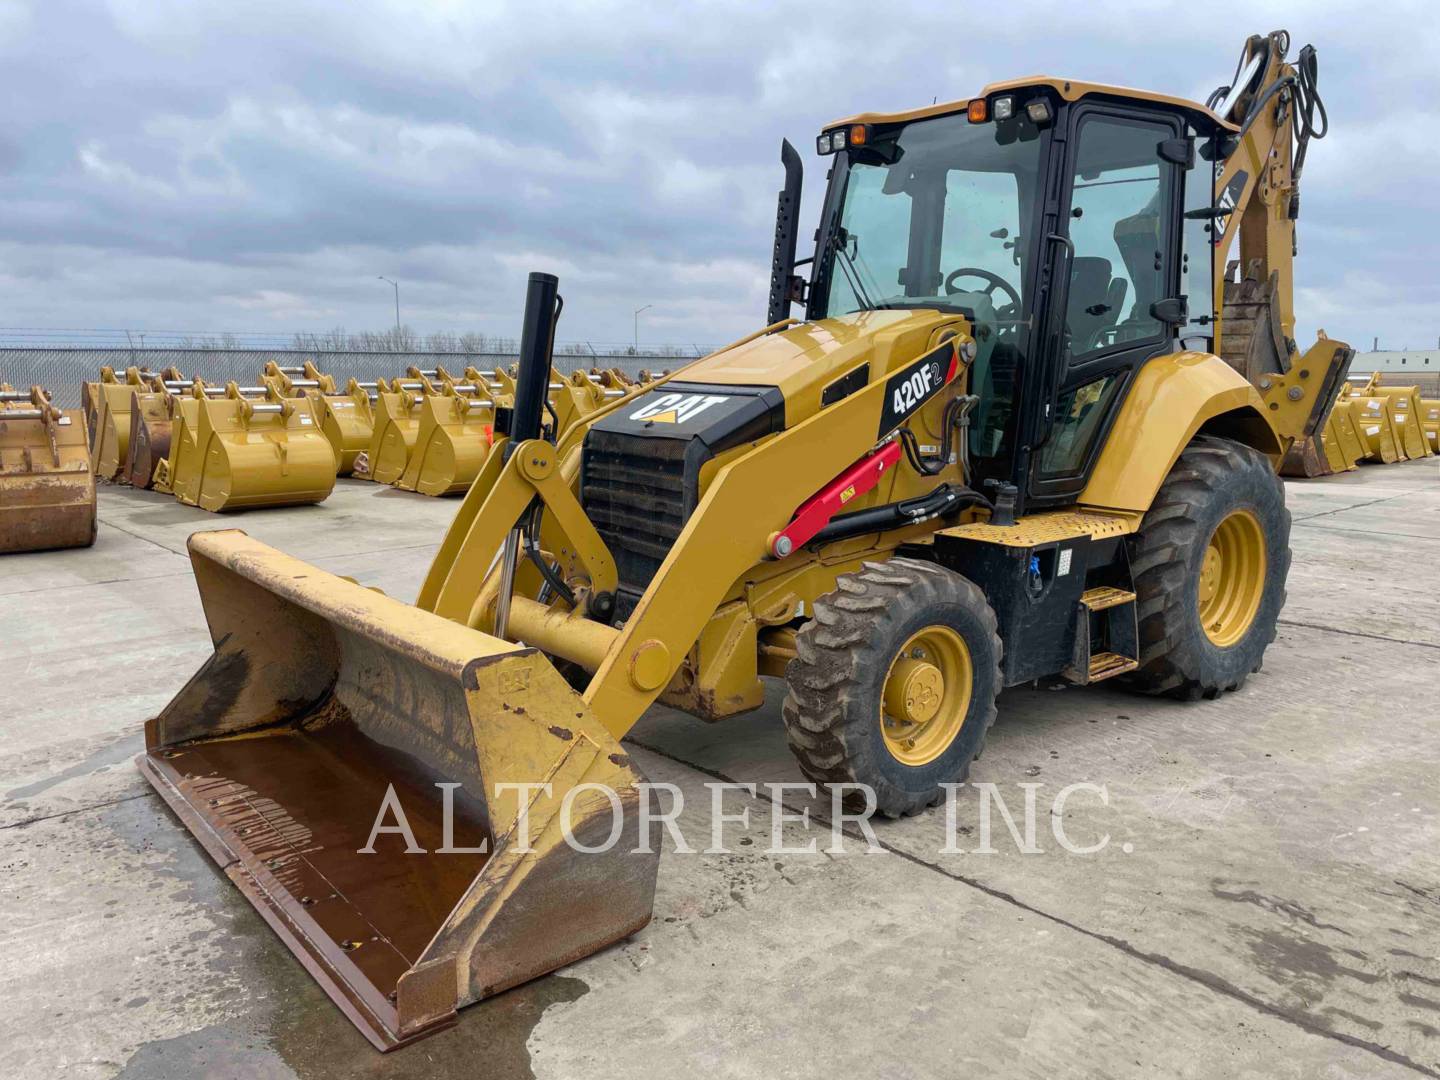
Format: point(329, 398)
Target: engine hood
point(802, 361)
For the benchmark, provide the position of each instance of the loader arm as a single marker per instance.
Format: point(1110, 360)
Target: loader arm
point(748, 500)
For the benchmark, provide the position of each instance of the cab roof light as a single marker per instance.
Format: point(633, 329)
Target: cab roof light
point(829, 142)
point(1038, 111)
point(1004, 108)
point(978, 111)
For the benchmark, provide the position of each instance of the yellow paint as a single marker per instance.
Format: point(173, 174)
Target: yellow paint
point(1048, 528)
point(1172, 399)
point(1232, 578)
point(1068, 89)
point(926, 695)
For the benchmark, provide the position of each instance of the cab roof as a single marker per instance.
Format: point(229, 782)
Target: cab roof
point(1067, 89)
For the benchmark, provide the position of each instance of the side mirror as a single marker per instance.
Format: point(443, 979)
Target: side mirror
point(1173, 310)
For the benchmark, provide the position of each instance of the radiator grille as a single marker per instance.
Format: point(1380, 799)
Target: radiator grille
point(633, 490)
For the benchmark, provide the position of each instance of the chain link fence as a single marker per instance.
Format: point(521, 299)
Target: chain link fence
point(61, 371)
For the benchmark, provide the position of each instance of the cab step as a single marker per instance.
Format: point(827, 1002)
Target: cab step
point(1106, 665)
point(1106, 636)
point(1106, 597)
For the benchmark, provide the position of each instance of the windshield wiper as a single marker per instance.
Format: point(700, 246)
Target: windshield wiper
point(852, 272)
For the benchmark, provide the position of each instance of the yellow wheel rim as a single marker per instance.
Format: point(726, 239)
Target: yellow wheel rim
point(926, 695)
point(1232, 578)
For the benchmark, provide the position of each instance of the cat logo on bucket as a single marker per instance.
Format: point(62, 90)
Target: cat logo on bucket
point(676, 408)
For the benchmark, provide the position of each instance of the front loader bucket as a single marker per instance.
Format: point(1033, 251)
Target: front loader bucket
point(325, 701)
point(150, 428)
point(47, 491)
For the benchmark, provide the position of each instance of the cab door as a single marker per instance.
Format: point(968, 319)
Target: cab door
point(1117, 268)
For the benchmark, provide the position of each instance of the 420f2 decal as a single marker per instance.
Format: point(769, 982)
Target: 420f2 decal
point(913, 386)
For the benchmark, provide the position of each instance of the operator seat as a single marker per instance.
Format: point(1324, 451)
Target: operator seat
point(1095, 301)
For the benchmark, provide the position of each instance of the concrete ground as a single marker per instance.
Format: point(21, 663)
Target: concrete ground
point(1267, 904)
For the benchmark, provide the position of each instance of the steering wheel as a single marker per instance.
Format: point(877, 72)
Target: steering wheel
point(995, 280)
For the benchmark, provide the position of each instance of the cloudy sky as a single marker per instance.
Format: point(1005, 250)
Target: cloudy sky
point(252, 166)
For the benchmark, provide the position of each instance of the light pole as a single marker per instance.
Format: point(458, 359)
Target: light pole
point(635, 347)
point(396, 285)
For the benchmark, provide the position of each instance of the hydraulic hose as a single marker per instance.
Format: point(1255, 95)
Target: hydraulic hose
point(945, 499)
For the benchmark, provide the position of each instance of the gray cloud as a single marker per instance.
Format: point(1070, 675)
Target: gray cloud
point(254, 166)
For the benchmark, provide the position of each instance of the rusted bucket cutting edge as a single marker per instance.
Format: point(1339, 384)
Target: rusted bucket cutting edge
point(322, 703)
point(342, 982)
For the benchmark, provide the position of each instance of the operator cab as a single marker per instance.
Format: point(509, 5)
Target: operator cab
point(1052, 215)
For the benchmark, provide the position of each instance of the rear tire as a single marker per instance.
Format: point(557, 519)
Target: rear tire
point(894, 684)
point(1205, 620)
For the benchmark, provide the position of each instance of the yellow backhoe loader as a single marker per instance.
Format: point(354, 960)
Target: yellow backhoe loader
point(47, 489)
point(1009, 436)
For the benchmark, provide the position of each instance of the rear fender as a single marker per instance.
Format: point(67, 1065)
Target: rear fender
point(1174, 399)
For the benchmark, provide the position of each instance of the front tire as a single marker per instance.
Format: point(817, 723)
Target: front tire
point(1210, 562)
point(894, 683)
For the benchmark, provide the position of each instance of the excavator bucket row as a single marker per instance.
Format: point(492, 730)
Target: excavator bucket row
point(456, 428)
point(428, 431)
point(1368, 422)
point(47, 491)
point(433, 431)
point(1390, 420)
